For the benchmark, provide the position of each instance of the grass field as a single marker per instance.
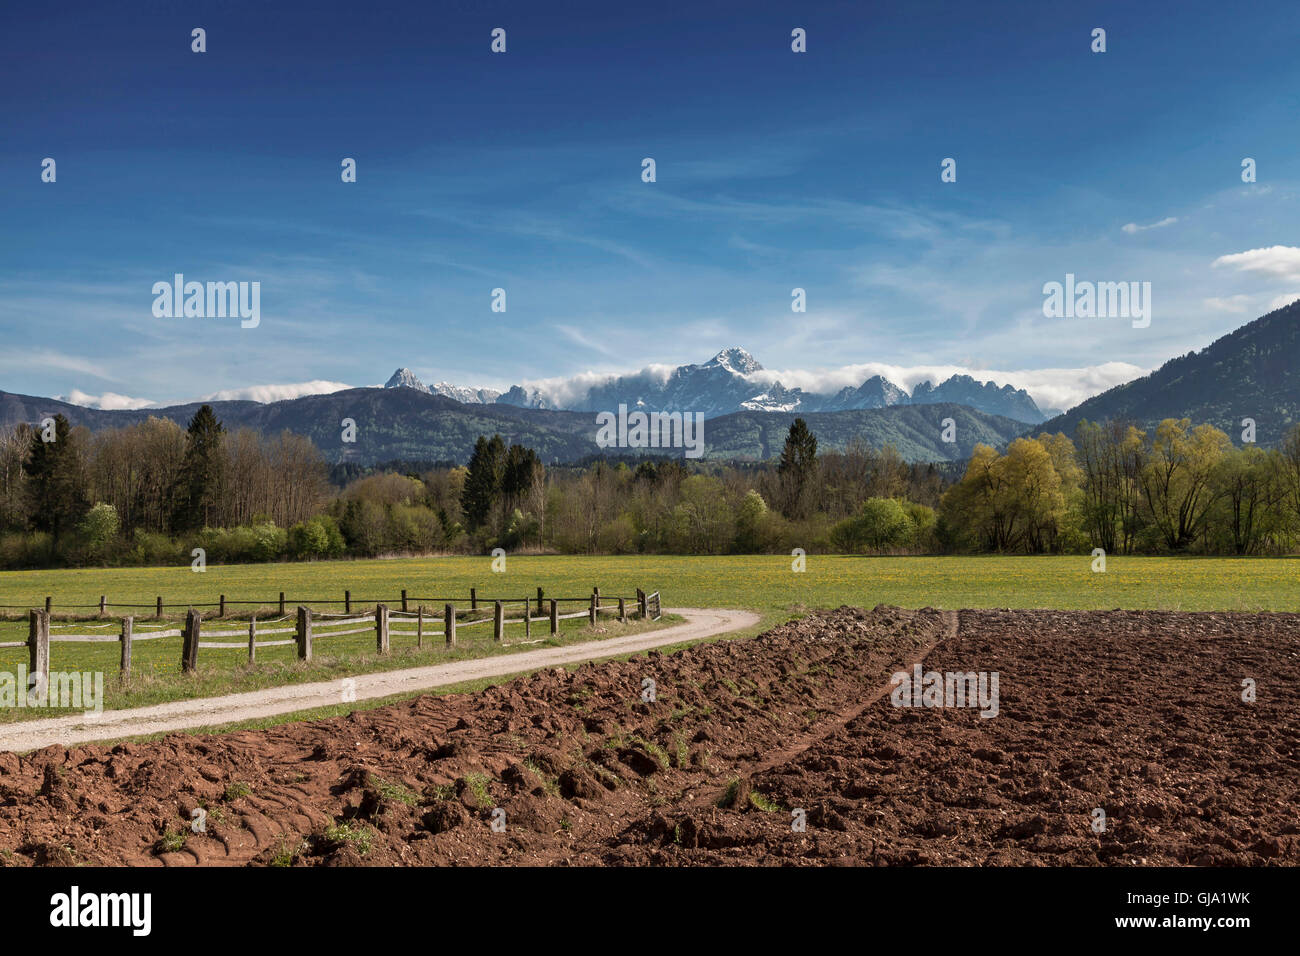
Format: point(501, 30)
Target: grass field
point(765, 584)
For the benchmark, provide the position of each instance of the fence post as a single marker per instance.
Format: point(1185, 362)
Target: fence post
point(190, 644)
point(221, 606)
point(449, 625)
point(49, 604)
point(103, 598)
point(540, 610)
point(304, 633)
point(555, 617)
point(640, 603)
point(282, 604)
point(158, 611)
point(347, 602)
point(498, 622)
point(622, 610)
point(528, 618)
point(419, 626)
point(473, 599)
point(38, 652)
point(252, 639)
point(381, 628)
point(595, 596)
point(592, 611)
point(128, 625)
point(403, 600)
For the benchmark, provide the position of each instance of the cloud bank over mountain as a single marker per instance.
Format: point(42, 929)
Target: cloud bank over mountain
point(733, 380)
point(1052, 389)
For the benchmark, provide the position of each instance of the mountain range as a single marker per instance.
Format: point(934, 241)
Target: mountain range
point(732, 382)
point(411, 424)
point(1253, 372)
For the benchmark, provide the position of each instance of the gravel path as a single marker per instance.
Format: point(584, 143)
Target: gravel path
point(232, 708)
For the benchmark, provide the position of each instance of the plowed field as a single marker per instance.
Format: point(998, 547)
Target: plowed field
point(1137, 714)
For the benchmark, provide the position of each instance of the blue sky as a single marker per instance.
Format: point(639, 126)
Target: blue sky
point(522, 171)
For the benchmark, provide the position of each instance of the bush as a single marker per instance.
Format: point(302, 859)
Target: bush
point(99, 527)
point(924, 523)
point(149, 548)
point(317, 538)
point(35, 550)
point(618, 536)
point(271, 542)
point(412, 528)
point(881, 524)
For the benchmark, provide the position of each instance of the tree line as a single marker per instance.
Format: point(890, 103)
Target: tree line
point(150, 493)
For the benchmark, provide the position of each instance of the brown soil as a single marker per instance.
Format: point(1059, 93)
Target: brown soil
point(1137, 713)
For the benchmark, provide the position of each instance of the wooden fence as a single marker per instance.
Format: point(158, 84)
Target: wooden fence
point(283, 603)
point(309, 625)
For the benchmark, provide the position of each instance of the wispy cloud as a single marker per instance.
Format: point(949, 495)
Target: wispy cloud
point(275, 393)
point(1232, 304)
point(1133, 227)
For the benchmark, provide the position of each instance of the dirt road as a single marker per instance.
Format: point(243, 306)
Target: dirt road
point(211, 711)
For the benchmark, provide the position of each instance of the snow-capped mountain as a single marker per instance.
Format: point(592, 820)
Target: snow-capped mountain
point(731, 381)
point(875, 392)
point(720, 386)
point(986, 396)
point(467, 396)
point(405, 378)
point(734, 381)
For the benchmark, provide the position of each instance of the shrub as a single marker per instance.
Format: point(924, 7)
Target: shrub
point(881, 524)
point(99, 527)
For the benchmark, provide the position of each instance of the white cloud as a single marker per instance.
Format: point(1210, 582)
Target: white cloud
point(1280, 301)
point(565, 391)
point(1061, 388)
point(275, 393)
point(1133, 227)
point(1233, 304)
point(1273, 262)
point(109, 401)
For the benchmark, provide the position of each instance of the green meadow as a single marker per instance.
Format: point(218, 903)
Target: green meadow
point(764, 582)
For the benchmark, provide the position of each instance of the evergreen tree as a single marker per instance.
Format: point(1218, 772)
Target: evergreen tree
point(198, 487)
point(483, 482)
point(797, 467)
point(56, 492)
point(522, 470)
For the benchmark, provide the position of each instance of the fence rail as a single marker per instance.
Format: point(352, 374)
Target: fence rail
point(283, 602)
point(312, 625)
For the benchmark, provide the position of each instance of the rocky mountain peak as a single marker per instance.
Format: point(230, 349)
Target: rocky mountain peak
point(736, 360)
point(405, 378)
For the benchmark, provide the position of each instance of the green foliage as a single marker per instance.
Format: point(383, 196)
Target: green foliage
point(319, 537)
point(797, 466)
point(56, 484)
point(100, 526)
point(201, 472)
point(483, 483)
point(882, 524)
